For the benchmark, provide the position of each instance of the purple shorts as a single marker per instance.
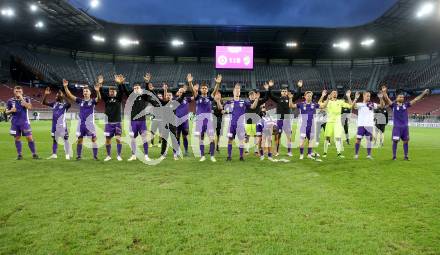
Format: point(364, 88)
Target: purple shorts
point(183, 128)
point(236, 129)
point(401, 133)
point(20, 129)
point(112, 129)
point(284, 126)
point(86, 130)
point(138, 127)
point(204, 126)
point(364, 131)
point(58, 131)
point(307, 132)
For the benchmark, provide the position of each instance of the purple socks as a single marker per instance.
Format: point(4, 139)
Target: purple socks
point(18, 146)
point(119, 148)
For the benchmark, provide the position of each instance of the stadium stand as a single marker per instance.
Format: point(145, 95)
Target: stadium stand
point(412, 75)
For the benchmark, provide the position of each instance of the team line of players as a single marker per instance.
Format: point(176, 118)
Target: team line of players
point(248, 118)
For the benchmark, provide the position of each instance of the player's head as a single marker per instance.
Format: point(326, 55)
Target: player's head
point(87, 93)
point(263, 110)
point(333, 94)
point(204, 89)
point(112, 92)
point(150, 86)
point(160, 96)
point(179, 93)
point(169, 96)
point(308, 95)
point(59, 96)
point(252, 95)
point(400, 97)
point(237, 90)
point(366, 96)
point(18, 91)
point(284, 91)
point(137, 89)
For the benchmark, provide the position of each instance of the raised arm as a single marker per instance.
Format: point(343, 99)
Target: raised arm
point(218, 101)
point(256, 102)
point(321, 102)
point(356, 98)
point(386, 99)
point(348, 95)
point(165, 92)
point(271, 95)
point(298, 93)
point(190, 79)
point(292, 105)
point(120, 81)
point(46, 94)
point(27, 105)
point(98, 87)
point(218, 81)
point(69, 95)
point(419, 97)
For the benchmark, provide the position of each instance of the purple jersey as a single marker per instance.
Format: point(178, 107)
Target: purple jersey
point(21, 115)
point(183, 109)
point(58, 112)
point(86, 110)
point(203, 104)
point(237, 108)
point(307, 112)
point(400, 114)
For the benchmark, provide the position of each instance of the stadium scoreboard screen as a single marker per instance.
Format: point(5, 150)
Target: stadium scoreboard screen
point(234, 57)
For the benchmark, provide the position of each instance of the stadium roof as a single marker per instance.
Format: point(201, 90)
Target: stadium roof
point(397, 32)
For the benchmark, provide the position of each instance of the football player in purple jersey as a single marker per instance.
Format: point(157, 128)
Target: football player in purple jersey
point(18, 108)
point(400, 118)
point(86, 124)
point(307, 111)
point(237, 108)
point(59, 126)
point(204, 122)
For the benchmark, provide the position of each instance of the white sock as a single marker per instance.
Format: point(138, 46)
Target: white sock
point(325, 146)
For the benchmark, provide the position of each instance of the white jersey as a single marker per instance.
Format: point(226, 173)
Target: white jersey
point(366, 114)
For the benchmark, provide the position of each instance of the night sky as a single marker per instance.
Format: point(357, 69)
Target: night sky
point(321, 13)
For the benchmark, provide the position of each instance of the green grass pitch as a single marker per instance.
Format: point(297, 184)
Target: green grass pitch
point(252, 207)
